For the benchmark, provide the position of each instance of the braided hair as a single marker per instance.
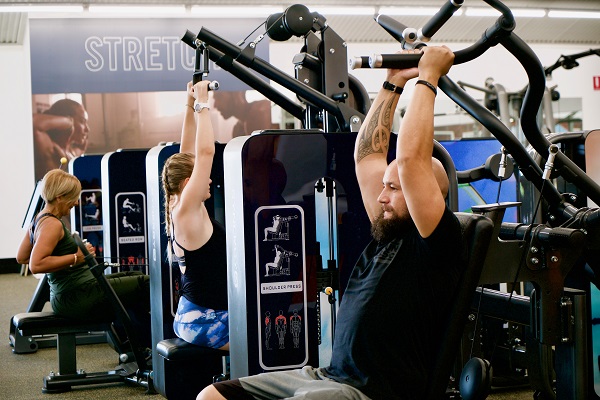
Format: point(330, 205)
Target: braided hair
point(177, 168)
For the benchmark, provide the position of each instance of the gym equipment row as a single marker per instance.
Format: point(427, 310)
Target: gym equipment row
point(279, 216)
point(559, 210)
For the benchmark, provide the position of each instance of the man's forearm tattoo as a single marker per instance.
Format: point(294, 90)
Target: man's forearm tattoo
point(376, 137)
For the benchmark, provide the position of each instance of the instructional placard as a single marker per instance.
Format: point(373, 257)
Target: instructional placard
point(281, 287)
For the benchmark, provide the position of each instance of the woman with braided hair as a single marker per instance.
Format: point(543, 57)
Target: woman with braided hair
point(196, 241)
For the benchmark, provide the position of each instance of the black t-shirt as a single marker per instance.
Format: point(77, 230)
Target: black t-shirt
point(392, 312)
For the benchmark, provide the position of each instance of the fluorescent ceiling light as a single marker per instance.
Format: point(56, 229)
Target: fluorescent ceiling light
point(573, 14)
point(328, 10)
point(43, 9)
point(482, 12)
point(405, 11)
point(516, 12)
point(529, 12)
point(235, 11)
point(136, 10)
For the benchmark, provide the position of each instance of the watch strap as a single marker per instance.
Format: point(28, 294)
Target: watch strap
point(392, 88)
point(200, 106)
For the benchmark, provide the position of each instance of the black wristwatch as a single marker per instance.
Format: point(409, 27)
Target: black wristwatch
point(392, 88)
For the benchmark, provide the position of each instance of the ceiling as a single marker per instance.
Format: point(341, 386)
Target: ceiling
point(356, 29)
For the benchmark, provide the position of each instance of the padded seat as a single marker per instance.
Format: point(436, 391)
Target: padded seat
point(177, 349)
point(66, 331)
point(48, 323)
point(187, 368)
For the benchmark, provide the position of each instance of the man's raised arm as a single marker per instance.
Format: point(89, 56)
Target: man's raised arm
point(423, 182)
point(372, 142)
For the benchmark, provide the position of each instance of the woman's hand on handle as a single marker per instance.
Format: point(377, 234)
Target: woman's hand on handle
point(190, 92)
point(200, 91)
point(90, 248)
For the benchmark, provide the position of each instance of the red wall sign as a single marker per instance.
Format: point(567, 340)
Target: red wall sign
point(596, 82)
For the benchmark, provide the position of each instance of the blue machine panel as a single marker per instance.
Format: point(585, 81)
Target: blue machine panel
point(87, 217)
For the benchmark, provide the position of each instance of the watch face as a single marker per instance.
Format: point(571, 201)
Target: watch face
point(200, 106)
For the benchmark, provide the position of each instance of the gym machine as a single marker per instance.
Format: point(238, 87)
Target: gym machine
point(124, 209)
point(549, 306)
point(321, 82)
point(253, 354)
point(180, 369)
point(322, 89)
point(506, 105)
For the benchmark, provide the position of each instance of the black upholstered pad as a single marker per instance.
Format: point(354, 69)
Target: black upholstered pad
point(47, 323)
point(178, 349)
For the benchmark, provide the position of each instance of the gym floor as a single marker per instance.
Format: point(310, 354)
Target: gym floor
point(21, 374)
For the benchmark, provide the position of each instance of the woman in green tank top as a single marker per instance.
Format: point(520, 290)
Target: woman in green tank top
point(49, 248)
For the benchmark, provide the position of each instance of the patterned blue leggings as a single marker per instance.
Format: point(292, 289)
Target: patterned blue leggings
point(201, 326)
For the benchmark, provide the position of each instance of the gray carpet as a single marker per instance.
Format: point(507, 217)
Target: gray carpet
point(21, 374)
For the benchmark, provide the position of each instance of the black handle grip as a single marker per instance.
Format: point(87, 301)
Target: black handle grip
point(88, 257)
point(393, 27)
point(439, 19)
point(189, 38)
point(555, 236)
point(394, 60)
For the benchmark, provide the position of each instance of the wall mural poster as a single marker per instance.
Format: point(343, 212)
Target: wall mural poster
point(97, 123)
point(102, 85)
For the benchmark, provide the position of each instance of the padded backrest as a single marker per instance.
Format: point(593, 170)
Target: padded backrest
point(477, 232)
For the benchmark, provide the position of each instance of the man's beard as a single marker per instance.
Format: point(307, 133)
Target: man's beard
point(384, 230)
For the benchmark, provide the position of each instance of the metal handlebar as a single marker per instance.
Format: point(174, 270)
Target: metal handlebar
point(342, 112)
point(502, 33)
point(439, 19)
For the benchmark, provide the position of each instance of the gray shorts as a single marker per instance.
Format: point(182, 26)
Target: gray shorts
point(306, 383)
